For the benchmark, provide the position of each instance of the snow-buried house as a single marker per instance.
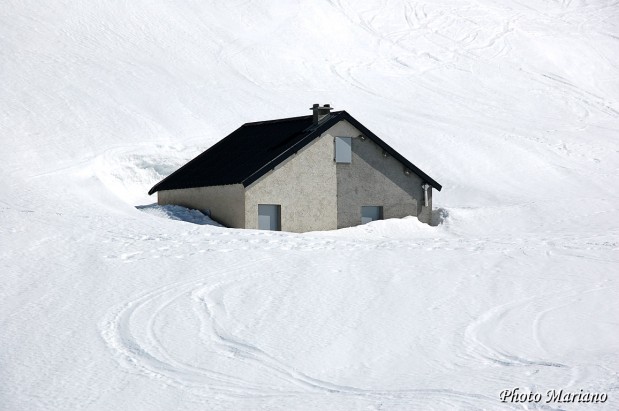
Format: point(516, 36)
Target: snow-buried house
point(317, 172)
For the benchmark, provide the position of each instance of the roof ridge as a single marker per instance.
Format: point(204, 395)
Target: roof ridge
point(278, 120)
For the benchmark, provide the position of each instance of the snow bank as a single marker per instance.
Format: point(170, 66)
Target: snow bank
point(174, 212)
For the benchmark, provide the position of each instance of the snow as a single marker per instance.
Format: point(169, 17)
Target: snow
point(178, 213)
point(513, 107)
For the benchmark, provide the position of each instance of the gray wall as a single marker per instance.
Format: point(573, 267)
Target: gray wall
point(373, 180)
point(305, 187)
point(425, 214)
point(226, 203)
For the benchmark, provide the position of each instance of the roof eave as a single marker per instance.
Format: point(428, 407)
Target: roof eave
point(156, 188)
point(426, 178)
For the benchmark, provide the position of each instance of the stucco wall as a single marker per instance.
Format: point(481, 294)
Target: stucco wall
point(305, 187)
point(425, 214)
point(374, 180)
point(225, 203)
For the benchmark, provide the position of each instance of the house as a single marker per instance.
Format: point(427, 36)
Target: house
point(318, 172)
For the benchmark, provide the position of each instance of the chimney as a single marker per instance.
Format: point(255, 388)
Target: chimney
point(320, 112)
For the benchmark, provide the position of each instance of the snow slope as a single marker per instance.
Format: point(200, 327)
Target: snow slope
point(512, 106)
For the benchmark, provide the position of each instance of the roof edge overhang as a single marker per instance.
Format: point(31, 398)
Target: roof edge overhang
point(391, 151)
point(187, 187)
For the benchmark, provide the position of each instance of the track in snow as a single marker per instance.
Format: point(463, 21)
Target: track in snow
point(135, 331)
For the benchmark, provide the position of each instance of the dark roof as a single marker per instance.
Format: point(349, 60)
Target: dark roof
point(254, 149)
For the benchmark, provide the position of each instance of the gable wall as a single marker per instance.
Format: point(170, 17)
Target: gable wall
point(225, 203)
point(305, 187)
point(373, 180)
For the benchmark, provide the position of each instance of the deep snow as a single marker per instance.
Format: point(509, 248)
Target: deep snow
point(512, 106)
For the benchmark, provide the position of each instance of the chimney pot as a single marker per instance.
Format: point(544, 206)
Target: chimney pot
point(319, 113)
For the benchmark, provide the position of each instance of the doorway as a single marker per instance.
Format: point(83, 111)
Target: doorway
point(371, 213)
point(269, 217)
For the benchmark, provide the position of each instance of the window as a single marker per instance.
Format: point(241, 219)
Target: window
point(343, 151)
point(371, 213)
point(269, 217)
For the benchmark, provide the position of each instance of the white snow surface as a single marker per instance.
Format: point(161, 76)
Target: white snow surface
point(512, 106)
point(178, 213)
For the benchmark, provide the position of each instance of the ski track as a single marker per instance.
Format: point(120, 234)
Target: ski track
point(477, 331)
point(470, 47)
point(478, 336)
point(129, 331)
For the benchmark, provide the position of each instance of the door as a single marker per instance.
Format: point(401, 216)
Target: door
point(371, 213)
point(269, 217)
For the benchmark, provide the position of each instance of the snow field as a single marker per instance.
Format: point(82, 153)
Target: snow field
point(512, 107)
